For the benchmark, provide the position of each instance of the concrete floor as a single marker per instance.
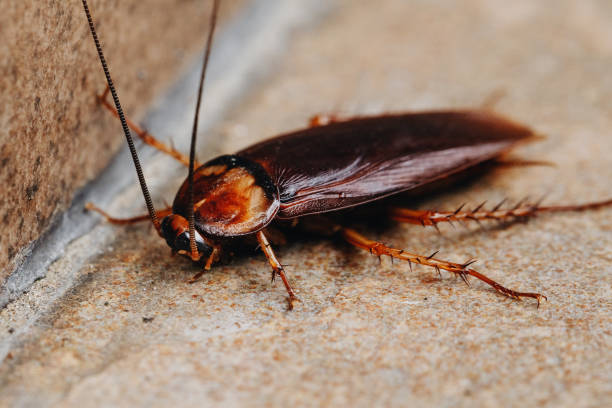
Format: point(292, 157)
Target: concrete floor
point(128, 331)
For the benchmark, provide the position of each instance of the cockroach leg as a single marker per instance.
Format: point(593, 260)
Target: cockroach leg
point(213, 257)
point(276, 236)
point(144, 135)
point(126, 221)
point(461, 270)
point(521, 210)
point(322, 120)
point(493, 99)
point(277, 268)
point(197, 276)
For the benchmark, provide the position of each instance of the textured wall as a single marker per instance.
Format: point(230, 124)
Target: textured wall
point(53, 136)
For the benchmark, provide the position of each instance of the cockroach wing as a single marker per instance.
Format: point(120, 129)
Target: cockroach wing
point(348, 163)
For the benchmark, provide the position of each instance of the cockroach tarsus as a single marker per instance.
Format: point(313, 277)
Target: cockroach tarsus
point(332, 165)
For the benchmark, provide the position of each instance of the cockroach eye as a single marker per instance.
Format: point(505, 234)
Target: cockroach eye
point(175, 229)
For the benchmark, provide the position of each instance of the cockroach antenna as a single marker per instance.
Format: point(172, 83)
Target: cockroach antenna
point(195, 255)
point(126, 130)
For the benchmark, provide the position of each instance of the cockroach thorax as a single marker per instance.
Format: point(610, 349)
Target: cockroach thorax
point(233, 196)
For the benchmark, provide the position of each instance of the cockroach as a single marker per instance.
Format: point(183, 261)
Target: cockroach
point(331, 166)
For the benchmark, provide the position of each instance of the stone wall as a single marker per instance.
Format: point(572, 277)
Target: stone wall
point(54, 137)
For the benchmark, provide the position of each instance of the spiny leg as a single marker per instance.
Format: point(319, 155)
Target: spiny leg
point(277, 268)
point(520, 210)
point(145, 136)
point(462, 270)
point(125, 221)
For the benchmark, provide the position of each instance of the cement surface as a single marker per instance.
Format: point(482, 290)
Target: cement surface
point(130, 332)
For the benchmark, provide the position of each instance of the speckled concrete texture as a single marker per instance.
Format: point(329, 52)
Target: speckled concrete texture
point(53, 136)
point(131, 332)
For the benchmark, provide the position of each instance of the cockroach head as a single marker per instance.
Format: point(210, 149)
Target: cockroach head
point(175, 230)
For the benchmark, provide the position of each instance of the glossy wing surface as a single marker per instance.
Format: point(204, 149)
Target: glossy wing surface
point(349, 163)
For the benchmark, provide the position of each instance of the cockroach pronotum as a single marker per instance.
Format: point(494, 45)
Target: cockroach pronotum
point(328, 167)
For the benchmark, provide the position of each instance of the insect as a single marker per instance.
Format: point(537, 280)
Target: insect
point(325, 169)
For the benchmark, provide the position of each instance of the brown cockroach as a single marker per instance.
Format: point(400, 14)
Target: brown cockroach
point(324, 168)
